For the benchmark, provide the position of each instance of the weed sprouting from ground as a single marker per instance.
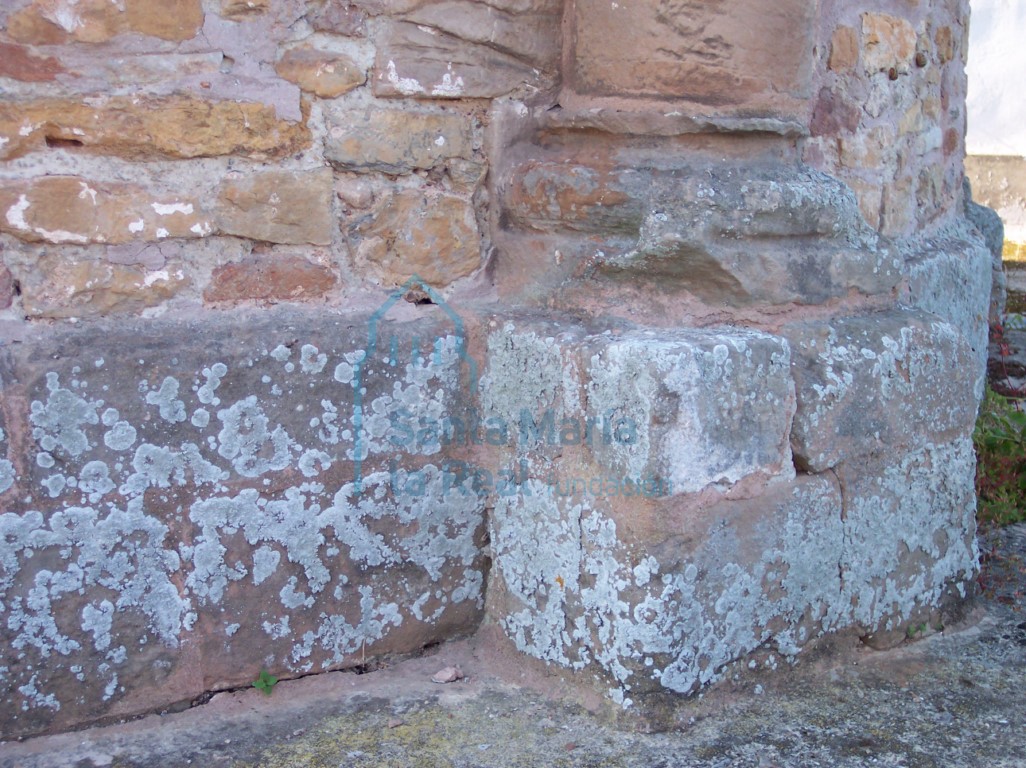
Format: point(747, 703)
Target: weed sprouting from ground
point(1000, 440)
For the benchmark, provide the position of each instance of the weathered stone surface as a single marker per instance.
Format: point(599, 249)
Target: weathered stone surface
point(949, 275)
point(6, 287)
point(71, 209)
point(711, 407)
point(703, 52)
point(270, 278)
point(679, 409)
point(240, 9)
point(95, 21)
point(844, 49)
point(887, 41)
point(70, 287)
point(735, 235)
point(529, 32)
point(18, 63)
point(177, 523)
point(428, 234)
point(833, 114)
point(395, 140)
point(278, 207)
point(321, 73)
point(419, 61)
point(338, 18)
point(139, 127)
point(993, 230)
point(573, 587)
point(910, 532)
point(879, 384)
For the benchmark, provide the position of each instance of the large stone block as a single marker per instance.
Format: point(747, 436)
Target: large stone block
point(949, 275)
point(668, 613)
point(72, 209)
point(178, 516)
point(269, 278)
point(149, 126)
point(395, 140)
point(66, 286)
point(878, 384)
point(427, 62)
point(743, 236)
point(711, 407)
point(910, 533)
point(680, 410)
point(426, 234)
point(278, 207)
point(45, 22)
point(746, 53)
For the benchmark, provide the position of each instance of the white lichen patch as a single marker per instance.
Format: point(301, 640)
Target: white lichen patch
point(579, 596)
point(57, 423)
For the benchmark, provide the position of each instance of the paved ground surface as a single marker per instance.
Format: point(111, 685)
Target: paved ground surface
point(956, 698)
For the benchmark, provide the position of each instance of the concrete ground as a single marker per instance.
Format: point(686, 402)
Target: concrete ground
point(955, 698)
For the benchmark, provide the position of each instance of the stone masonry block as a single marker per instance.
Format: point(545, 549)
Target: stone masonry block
point(742, 53)
point(670, 612)
point(395, 140)
point(878, 384)
point(910, 533)
point(45, 22)
point(179, 516)
point(149, 127)
point(737, 235)
point(683, 409)
point(278, 207)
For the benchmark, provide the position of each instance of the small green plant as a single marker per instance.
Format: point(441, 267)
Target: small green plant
point(265, 682)
point(1000, 440)
point(915, 629)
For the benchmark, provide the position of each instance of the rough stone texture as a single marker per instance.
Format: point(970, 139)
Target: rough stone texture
point(878, 385)
point(993, 230)
point(7, 288)
point(338, 18)
point(461, 49)
point(177, 521)
point(274, 278)
point(670, 614)
point(278, 207)
point(677, 410)
point(888, 42)
point(95, 21)
point(910, 533)
point(950, 276)
point(844, 49)
point(324, 74)
point(430, 235)
point(707, 53)
point(19, 63)
point(240, 9)
point(773, 235)
point(176, 126)
point(71, 209)
point(651, 226)
point(395, 140)
point(88, 288)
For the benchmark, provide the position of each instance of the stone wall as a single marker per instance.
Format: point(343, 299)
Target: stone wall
point(650, 333)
